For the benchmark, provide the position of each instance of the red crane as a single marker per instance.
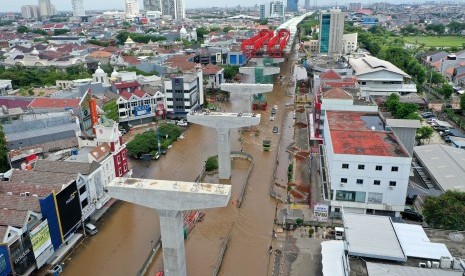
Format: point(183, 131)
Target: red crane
point(251, 47)
point(277, 43)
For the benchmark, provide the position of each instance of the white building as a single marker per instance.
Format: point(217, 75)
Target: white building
point(331, 32)
point(173, 8)
point(350, 43)
point(78, 7)
point(379, 77)
point(131, 8)
point(153, 15)
point(365, 168)
point(274, 9)
point(30, 11)
point(184, 93)
point(45, 7)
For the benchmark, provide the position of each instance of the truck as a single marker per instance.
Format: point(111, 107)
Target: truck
point(266, 145)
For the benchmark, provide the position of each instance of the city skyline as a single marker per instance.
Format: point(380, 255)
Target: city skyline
point(65, 5)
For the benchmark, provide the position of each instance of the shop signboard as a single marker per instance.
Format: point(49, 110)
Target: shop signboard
point(41, 243)
point(142, 110)
point(320, 212)
point(21, 255)
point(69, 208)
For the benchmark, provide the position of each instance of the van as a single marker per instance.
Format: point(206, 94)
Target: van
point(90, 229)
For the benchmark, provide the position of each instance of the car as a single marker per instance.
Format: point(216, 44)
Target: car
point(427, 114)
point(271, 118)
point(123, 131)
point(57, 269)
point(431, 120)
point(273, 112)
point(410, 214)
point(275, 107)
point(441, 128)
point(275, 129)
point(90, 229)
point(182, 123)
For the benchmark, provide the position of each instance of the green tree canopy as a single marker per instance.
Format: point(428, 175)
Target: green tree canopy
point(424, 133)
point(462, 103)
point(4, 166)
point(230, 71)
point(211, 164)
point(446, 211)
point(447, 90)
point(22, 29)
point(201, 32)
point(60, 32)
point(437, 28)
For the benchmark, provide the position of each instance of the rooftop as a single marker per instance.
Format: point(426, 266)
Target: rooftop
point(373, 237)
point(22, 203)
point(370, 64)
point(41, 190)
point(54, 103)
point(361, 133)
point(65, 167)
point(38, 177)
point(445, 164)
point(13, 218)
point(402, 123)
point(378, 269)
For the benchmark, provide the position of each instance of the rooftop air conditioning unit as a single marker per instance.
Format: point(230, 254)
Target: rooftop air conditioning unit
point(422, 265)
point(446, 262)
point(435, 264)
point(22, 194)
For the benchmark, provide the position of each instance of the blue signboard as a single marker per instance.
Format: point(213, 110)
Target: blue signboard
point(142, 110)
point(49, 212)
point(5, 264)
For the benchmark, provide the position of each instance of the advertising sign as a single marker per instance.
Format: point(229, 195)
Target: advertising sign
point(320, 212)
point(69, 208)
point(22, 255)
point(5, 265)
point(41, 243)
point(142, 110)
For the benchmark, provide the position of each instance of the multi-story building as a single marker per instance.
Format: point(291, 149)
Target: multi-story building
point(78, 7)
point(30, 11)
point(365, 168)
point(377, 77)
point(45, 7)
point(274, 9)
point(331, 32)
point(140, 107)
point(152, 5)
point(131, 8)
point(353, 7)
point(173, 8)
point(349, 43)
point(184, 93)
point(307, 5)
point(292, 5)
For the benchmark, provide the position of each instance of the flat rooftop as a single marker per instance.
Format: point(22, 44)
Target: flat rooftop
point(361, 133)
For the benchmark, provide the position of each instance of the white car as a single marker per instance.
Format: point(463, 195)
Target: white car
point(271, 118)
point(90, 229)
point(182, 123)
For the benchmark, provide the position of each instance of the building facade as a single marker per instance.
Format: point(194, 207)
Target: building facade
point(30, 11)
point(331, 32)
point(350, 43)
point(45, 7)
point(152, 5)
point(353, 7)
point(78, 7)
point(131, 8)
point(292, 5)
point(274, 9)
point(184, 93)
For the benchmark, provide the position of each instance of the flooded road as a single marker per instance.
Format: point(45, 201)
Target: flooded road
point(125, 235)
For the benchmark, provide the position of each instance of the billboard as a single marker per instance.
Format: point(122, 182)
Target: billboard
point(22, 255)
point(41, 243)
point(5, 264)
point(320, 212)
point(49, 212)
point(69, 208)
point(142, 110)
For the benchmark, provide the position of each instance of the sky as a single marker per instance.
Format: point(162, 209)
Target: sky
point(65, 5)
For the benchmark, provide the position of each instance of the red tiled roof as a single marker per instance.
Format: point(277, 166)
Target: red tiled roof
point(22, 203)
point(330, 75)
point(42, 190)
point(211, 69)
point(121, 85)
point(12, 103)
point(131, 60)
point(139, 93)
point(337, 93)
point(125, 95)
point(54, 103)
point(13, 218)
point(352, 135)
point(182, 62)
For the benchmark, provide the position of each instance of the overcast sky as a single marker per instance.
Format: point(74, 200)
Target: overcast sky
point(65, 5)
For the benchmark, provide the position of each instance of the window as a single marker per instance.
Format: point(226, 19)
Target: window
point(123, 154)
point(169, 99)
point(343, 180)
point(375, 198)
point(82, 190)
point(361, 167)
point(394, 169)
point(345, 166)
point(350, 196)
point(118, 159)
point(359, 181)
point(377, 182)
point(84, 203)
point(120, 173)
point(379, 168)
point(125, 167)
point(392, 183)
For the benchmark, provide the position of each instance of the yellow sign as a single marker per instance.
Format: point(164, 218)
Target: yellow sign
point(40, 238)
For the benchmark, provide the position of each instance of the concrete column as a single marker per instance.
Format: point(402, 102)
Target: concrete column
point(224, 153)
point(172, 240)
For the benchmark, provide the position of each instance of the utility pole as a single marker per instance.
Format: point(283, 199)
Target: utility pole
point(430, 87)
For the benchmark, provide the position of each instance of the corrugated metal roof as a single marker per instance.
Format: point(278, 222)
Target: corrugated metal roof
point(403, 123)
point(416, 244)
point(373, 237)
point(331, 252)
point(375, 269)
point(445, 164)
point(41, 132)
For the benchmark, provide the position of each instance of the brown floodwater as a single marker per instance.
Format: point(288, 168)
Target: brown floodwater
point(125, 234)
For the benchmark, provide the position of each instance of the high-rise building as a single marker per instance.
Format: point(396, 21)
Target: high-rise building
point(292, 5)
point(274, 9)
point(78, 7)
point(355, 7)
point(30, 11)
point(307, 5)
point(131, 8)
point(152, 5)
point(45, 8)
point(331, 31)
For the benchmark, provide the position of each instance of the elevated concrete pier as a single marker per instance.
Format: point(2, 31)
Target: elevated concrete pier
point(246, 90)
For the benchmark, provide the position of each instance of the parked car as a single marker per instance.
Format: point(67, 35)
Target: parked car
point(410, 214)
point(275, 129)
point(90, 229)
point(271, 118)
point(182, 123)
point(431, 120)
point(440, 128)
point(273, 112)
point(56, 270)
point(427, 115)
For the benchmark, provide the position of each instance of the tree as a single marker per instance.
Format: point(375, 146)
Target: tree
point(446, 211)
point(22, 29)
point(142, 143)
point(392, 102)
point(440, 29)
point(201, 32)
point(4, 166)
point(39, 31)
point(424, 133)
point(60, 31)
point(211, 164)
point(230, 71)
point(111, 110)
point(462, 103)
point(404, 110)
point(447, 90)
point(227, 29)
